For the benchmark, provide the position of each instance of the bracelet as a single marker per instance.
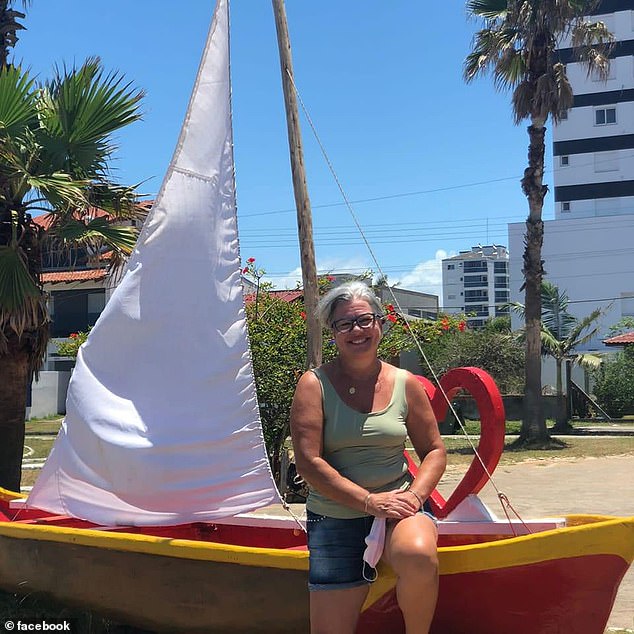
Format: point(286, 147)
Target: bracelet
point(418, 497)
point(365, 502)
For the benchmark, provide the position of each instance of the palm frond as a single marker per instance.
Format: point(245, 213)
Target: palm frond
point(522, 101)
point(492, 10)
point(81, 109)
point(17, 102)
point(94, 234)
point(16, 283)
point(120, 201)
point(591, 361)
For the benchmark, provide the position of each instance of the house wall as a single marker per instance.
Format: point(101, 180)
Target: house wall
point(48, 394)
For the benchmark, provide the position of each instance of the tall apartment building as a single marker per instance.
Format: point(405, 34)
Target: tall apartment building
point(594, 147)
point(476, 283)
point(588, 249)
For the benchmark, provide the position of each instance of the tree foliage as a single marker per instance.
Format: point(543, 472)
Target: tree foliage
point(614, 387)
point(493, 348)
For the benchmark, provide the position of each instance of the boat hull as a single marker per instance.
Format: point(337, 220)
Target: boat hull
point(561, 580)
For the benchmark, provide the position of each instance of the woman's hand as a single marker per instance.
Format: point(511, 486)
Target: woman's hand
point(392, 505)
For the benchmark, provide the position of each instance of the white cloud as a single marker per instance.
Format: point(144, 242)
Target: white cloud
point(329, 265)
point(426, 276)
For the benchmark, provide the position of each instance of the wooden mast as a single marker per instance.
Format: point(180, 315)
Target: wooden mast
point(302, 202)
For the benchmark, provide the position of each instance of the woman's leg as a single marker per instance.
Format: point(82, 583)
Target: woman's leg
point(410, 549)
point(336, 611)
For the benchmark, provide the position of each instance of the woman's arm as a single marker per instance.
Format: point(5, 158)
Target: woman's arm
point(307, 434)
point(422, 429)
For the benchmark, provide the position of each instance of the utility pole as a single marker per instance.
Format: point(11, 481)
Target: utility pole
point(302, 202)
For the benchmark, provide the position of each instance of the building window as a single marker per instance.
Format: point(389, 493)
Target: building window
point(605, 116)
point(451, 267)
point(500, 267)
point(564, 161)
point(565, 207)
point(501, 281)
point(451, 297)
point(471, 281)
point(606, 161)
point(476, 296)
point(501, 296)
point(475, 267)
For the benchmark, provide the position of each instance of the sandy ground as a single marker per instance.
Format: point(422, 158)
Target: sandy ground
point(558, 487)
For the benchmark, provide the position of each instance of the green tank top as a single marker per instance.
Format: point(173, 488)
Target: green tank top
point(365, 448)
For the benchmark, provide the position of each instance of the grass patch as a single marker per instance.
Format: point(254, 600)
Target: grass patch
point(459, 451)
point(37, 447)
point(43, 425)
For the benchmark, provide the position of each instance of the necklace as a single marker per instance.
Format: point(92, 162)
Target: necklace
point(352, 390)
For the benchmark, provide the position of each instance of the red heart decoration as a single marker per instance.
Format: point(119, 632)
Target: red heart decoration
point(492, 428)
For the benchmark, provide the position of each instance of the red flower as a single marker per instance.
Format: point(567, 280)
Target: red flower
point(250, 260)
point(461, 326)
point(392, 318)
point(444, 324)
point(303, 315)
point(330, 278)
point(73, 335)
point(389, 308)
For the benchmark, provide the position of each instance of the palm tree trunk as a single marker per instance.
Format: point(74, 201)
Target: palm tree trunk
point(14, 383)
point(534, 424)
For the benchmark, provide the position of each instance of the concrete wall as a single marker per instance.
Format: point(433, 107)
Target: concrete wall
point(48, 394)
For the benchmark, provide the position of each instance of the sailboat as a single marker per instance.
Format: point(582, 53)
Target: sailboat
point(151, 508)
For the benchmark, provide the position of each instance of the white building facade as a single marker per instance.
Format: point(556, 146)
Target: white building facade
point(588, 249)
point(476, 283)
point(594, 147)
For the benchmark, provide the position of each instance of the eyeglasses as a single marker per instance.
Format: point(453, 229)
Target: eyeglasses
point(367, 320)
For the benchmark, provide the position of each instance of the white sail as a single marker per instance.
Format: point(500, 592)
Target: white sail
point(162, 423)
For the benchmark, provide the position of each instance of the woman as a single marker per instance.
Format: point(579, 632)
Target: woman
point(349, 422)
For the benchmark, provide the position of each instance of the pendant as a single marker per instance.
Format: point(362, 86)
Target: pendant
point(351, 390)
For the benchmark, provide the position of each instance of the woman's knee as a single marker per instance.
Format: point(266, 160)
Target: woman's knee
point(418, 559)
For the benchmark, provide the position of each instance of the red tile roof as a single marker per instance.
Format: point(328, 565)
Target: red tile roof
point(57, 277)
point(285, 296)
point(620, 340)
point(45, 220)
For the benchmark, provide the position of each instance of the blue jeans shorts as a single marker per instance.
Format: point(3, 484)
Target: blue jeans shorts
point(336, 548)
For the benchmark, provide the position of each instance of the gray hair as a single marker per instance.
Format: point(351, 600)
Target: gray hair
point(346, 293)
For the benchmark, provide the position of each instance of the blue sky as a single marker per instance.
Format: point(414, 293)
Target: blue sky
point(433, 163)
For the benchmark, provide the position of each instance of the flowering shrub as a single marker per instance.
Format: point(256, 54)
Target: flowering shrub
point(71, 348)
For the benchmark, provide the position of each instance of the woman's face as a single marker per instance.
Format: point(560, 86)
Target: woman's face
point(358, 340)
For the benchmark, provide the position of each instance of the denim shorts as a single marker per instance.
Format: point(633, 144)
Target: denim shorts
point(336, 548)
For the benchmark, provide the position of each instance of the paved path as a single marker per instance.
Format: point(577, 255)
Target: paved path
point(543, 488)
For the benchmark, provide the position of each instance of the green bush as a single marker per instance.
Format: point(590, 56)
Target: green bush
point(614, 387)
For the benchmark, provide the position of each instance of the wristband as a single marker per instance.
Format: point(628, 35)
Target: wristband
point(418, 497)
point(365, 503)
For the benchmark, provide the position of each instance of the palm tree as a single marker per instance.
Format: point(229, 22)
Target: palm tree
point(561, 334)
point(9, 27)
point(55, 142)
point(518, 45)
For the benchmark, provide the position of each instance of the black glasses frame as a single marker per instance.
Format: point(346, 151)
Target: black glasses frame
point(349, 323)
